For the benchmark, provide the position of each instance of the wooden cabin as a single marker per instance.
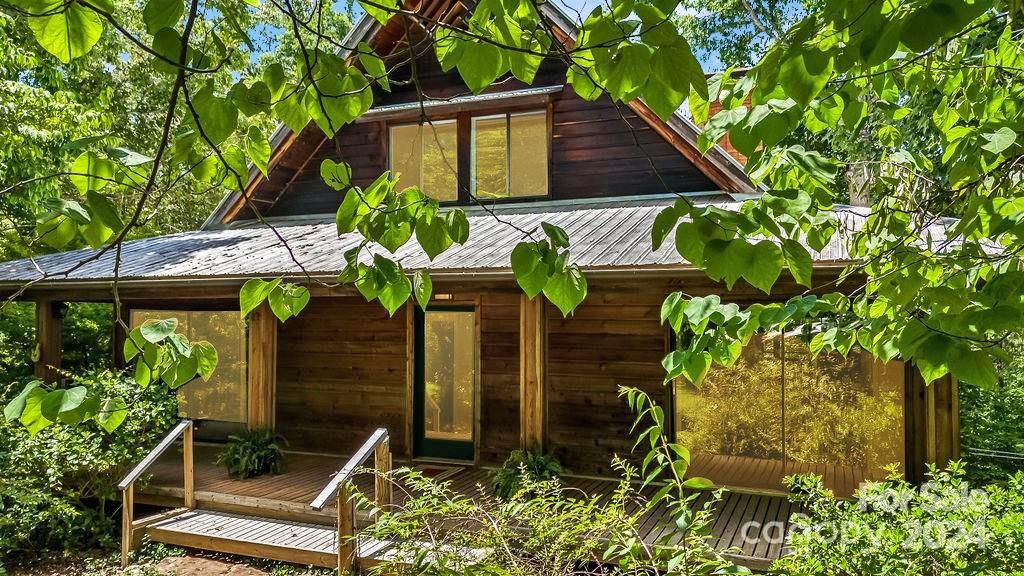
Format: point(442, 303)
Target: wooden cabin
point(485, 370)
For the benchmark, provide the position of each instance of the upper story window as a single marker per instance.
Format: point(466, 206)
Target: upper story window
point(507, 153)
point(510, 156)
point(426, 156)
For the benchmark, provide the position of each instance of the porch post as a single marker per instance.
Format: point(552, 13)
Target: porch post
point(532, 368)
point(262, 387)
point(49, 325)
point(932, 423)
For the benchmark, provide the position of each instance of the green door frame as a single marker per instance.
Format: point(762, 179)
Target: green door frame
point(424, 447)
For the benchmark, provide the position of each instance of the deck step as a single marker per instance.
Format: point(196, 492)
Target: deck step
point(282, 540)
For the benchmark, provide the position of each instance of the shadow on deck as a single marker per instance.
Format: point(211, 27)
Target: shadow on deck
point(752, 524)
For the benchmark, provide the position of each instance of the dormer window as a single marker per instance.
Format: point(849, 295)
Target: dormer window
point(488, 156)
point(509, 156)
point(426, 156)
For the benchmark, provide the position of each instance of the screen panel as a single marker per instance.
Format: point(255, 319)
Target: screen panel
point(224, 396)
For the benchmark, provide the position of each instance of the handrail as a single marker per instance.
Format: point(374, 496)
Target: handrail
point(154, 454)
point(379, 436)
point(129, 527)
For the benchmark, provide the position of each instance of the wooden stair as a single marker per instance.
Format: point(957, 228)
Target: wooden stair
point(281, 540)
point(263, 536)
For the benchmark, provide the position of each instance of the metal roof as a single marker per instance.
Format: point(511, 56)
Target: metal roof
point(610, 235)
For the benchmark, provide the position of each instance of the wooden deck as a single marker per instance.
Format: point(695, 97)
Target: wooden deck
point(765, 474)
point(751, 524)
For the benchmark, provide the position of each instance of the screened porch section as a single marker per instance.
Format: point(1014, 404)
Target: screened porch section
point(780, 411)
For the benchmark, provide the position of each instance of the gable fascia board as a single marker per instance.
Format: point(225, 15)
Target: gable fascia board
point(363, 31)
point(367, 27)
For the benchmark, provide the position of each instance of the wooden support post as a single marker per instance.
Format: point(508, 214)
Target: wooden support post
point(189, 461)
point(49, 325)
point(382, 463)
point(346, 533)
point(262, 387)
point(127, 537)
point(532, 368)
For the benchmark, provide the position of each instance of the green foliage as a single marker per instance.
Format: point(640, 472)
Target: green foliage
point(252, 453)
point(944, 527)
point(58, 487)
point(543, 266)
point(87, 332)
point(160, 355)
point(544, 529)
point(524, 465)
point(285, 299)
point(992, 423)
point(17, 341)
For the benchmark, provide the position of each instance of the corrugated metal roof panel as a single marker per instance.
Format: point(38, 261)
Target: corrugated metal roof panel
point(605, 235)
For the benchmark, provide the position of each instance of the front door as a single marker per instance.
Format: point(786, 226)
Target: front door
point(444, 398)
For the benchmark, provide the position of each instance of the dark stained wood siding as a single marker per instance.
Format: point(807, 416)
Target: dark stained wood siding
point(341, 373)
point(499, 375)
point(598, 149)
point(613, 339)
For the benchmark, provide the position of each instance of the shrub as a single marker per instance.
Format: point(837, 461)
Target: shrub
point(992, 421)
point(543, 529)
point(252, 454)
point(893, 527)
point(58, 488)
point(520, 464)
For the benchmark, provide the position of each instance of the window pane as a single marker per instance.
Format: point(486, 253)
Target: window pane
point(449, 373)
point(732, 424)
point(490, 163)
point(844, 416)
point(529, 154)
point(223, 396)
point(778, 411)
point(406, 155)
point(426, 156)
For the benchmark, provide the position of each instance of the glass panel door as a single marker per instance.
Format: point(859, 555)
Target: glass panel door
point(445, 391)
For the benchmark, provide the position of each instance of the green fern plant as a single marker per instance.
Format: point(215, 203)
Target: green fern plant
point(252, 454)
point(533, 464)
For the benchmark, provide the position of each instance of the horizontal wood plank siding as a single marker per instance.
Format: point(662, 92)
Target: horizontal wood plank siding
point(590, 355)
point(341, 374)
point(499, 375)
point(598, 149)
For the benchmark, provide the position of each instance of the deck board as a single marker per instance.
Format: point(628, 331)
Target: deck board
point(253, 536)
point(286, 497)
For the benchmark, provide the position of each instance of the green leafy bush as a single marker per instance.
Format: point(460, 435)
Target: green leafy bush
point(252, 454)
point(58, 488)
point(520, 464)
point(992, 422)
point(543, 529)
point(943, 527)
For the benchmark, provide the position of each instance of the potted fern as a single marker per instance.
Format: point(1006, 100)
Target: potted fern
point(252, 454)
point(533, 464)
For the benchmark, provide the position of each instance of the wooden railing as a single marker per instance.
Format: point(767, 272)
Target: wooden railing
point(127, 487)
point(377, 444)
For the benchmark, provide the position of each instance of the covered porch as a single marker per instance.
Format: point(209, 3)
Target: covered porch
point(751, 525)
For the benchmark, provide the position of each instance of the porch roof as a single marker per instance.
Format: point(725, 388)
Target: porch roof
point(606, 235)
